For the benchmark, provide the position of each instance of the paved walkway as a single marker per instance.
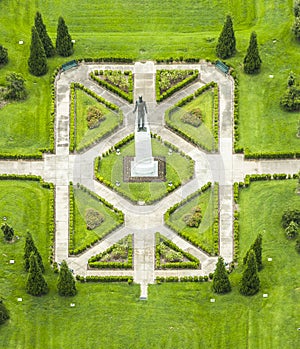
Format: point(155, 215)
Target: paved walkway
point(143, 221)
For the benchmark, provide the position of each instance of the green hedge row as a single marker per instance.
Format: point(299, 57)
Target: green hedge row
point(263, 177)
point(128, 279)
point(175, 207)
point(105, 60)
point(161, 279)
point(51, 221)
point(127, 96)
point(236, 131)
point(193, 263)
point(94, 262)
point(216, 218)
point(72, 117)
point(236, 236)
point(120, 214)
point(271, 155)
point(160, 97)
point(108, 104)
point(71, 218)
point(188, 99)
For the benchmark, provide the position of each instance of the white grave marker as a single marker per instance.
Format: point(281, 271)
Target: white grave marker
point(212, 300)
point(12, 261)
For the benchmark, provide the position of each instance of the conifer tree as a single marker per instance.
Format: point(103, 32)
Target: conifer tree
point(15, 88)
point(28, 249)
point(64, 45)
point(257, 248)
point(252, 60)
point(3, 55)
point(250, 280)
point(8, 232)
point(226, 42)
point(37, 61)
point(36, 284)
point(66, 282)
point(297, 247)
point(221, 283)
point(45, 39)
point(3, 313)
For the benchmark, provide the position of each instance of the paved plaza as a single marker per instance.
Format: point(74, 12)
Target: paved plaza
point(143, 221)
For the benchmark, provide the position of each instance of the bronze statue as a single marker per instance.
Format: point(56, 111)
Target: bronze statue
point(140, 105)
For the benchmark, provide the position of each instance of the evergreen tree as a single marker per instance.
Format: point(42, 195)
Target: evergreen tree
point(296, 28)
point(3, 55)
point(15, 87)
point(226, 43)
point(8, 232)
point(257, 248)
point(45, 39)
point(64, 45)
point(252, 61)
point(250, 280)
point(37, 61)
point(221, 283)
point(297, 8)
point(291, 80)
point(28, 249)
point(291, 230)
point(66, 282)
point(36, 284)
point(3, 313)
point(298, 245)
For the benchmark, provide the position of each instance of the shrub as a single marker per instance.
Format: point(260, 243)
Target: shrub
point(194, 117)
point(297, 247)
point(193, 219)
point(93, 218)
point(15, 87)
point(8, 232)
point(291, 230)
point(3, 55)
point(3, 313)
point(94, 117)
point(289, 216)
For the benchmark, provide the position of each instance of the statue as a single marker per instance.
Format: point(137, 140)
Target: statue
point(140, 105)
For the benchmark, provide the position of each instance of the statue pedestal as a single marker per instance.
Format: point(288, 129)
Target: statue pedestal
point(143, 164)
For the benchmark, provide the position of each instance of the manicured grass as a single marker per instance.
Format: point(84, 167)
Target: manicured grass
point(84, 135)
point(156, 30)
point(175, 316)
point(83, 236)
point(178, 170)
point(204, 133)
point(204, 233)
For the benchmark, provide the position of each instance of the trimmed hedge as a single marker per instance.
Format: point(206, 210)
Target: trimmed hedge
point(193, 263)
point(186, 100)
point(183, 234)
point(94, 262)
point(128, 96)
point(71, 218)
point(101, 100)
point(105, 60)
point(160, 97)
point(216, 218)
point(128, 279)
point(120, 214)
point(161, 279)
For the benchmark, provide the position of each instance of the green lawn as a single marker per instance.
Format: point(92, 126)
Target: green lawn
point(152, 30)
point(83, 236)
point(84, 135)
point(177, 315)
point(203, 235)
point(178, 170)
point(202, 134)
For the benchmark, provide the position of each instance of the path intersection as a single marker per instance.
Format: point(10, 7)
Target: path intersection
point(143, 221)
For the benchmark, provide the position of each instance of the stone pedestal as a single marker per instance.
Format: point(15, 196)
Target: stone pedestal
point(143, 164)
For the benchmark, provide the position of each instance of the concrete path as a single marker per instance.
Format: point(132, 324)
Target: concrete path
point(143, 221)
